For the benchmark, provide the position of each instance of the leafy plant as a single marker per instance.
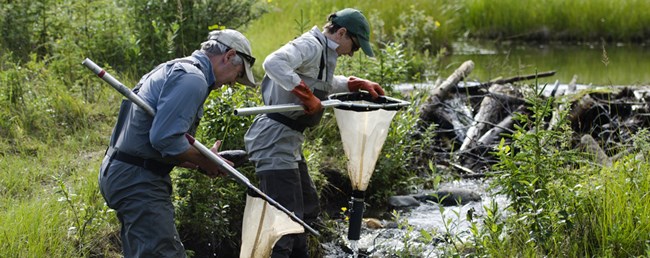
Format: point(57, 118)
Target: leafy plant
point(173, 29)
point(535, 172)
point(209, 211)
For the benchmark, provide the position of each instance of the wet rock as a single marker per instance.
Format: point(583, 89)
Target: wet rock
point(391, 224)
point(373, 223)
point(450, 196)
point(403, 201)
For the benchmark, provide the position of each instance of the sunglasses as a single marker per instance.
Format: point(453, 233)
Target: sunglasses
point(248, 58)
point(355, 42)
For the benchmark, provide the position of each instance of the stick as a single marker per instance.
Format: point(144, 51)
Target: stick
point(126, 92)
point(200, 147)
point(281, 108)
point(243, 180)
point(389, 104)
point(518, 78)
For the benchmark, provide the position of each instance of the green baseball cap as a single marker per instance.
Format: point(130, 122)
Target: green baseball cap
point(354, 21)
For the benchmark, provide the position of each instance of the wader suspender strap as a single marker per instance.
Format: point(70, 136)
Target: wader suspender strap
point(155, 166)
point(322, 59)
point(294, 124)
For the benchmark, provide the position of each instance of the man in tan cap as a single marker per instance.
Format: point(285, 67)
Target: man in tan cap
point(134, 175)
point(302, 72)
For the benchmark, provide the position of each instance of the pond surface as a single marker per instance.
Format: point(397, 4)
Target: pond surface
point(596, 64)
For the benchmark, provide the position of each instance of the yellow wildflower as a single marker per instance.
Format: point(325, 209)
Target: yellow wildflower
point(216, 27)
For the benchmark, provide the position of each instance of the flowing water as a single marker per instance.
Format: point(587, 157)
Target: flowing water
point(425, 230)
point(421, 230)
point(602, 64)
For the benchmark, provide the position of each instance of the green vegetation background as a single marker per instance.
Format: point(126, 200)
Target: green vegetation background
point(56, 117)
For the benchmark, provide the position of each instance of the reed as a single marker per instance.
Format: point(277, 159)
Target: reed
point(557, 19)
point(288, 19)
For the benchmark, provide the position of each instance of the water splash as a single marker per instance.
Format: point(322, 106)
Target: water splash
point(354, 246)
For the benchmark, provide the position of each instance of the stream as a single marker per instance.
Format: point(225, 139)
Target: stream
point(422, 231)
point(404, 235)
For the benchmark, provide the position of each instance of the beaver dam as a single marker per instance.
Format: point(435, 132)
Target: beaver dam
point(466, 123)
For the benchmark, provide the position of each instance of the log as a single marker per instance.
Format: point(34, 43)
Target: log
point(572, 85)
point(442, 92)
point(517, 78)
point(489, 112)
point(591, 146)
point(579, 108)
point(457, 114)
point(555, 117)
point(507, 124)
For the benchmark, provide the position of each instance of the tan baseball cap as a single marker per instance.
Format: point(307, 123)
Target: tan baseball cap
point(237, 41)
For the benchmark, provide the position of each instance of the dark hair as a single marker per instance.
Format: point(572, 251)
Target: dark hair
point(331, 27)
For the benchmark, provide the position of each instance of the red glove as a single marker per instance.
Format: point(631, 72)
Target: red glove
point(309, 100)
point(356, 84)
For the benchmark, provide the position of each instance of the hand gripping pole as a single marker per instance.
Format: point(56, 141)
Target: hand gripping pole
point(239, 177)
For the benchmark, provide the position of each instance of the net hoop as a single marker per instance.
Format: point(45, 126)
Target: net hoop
point(350, 101)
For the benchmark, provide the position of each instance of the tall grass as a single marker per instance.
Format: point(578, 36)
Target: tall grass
point(288, 19)
point(50, 205)
point(615, 210)
point(557, 19)
point(55, 117)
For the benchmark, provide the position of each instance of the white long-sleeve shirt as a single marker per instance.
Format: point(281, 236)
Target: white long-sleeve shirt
point(271, 144)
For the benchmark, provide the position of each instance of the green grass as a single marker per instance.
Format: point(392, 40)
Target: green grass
point(50, 204)
point(289, 19)
point(56, 117)
point(557, 19)
point(621, 198)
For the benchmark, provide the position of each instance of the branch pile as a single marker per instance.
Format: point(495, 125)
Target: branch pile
point(462, 124)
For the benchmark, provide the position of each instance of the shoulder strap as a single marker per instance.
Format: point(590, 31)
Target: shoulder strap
point(125, 107)
point(322, 58)
point(186, 60)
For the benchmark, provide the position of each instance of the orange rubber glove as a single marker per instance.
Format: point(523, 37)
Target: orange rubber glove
point(310, 102)
point(356, 84)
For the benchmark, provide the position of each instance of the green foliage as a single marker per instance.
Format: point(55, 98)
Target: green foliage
point(36, 102)
point(611, 207)
point(90, 217)
point(391, 66)
point(560, 20)
point(169, 29)
point(418, 31)
point(50, 205)
point(561, 204)
point(535, 173)
point(219, 121)
point(209, 211)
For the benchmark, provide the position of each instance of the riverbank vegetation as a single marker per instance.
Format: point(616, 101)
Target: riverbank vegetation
point(56, 117)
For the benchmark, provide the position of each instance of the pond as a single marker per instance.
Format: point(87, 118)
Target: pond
point(600, 64)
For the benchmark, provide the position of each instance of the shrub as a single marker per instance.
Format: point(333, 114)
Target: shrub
point(209, 211)
point(173, 29)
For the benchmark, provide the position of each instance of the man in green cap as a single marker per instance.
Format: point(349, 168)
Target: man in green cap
point(302, 72)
